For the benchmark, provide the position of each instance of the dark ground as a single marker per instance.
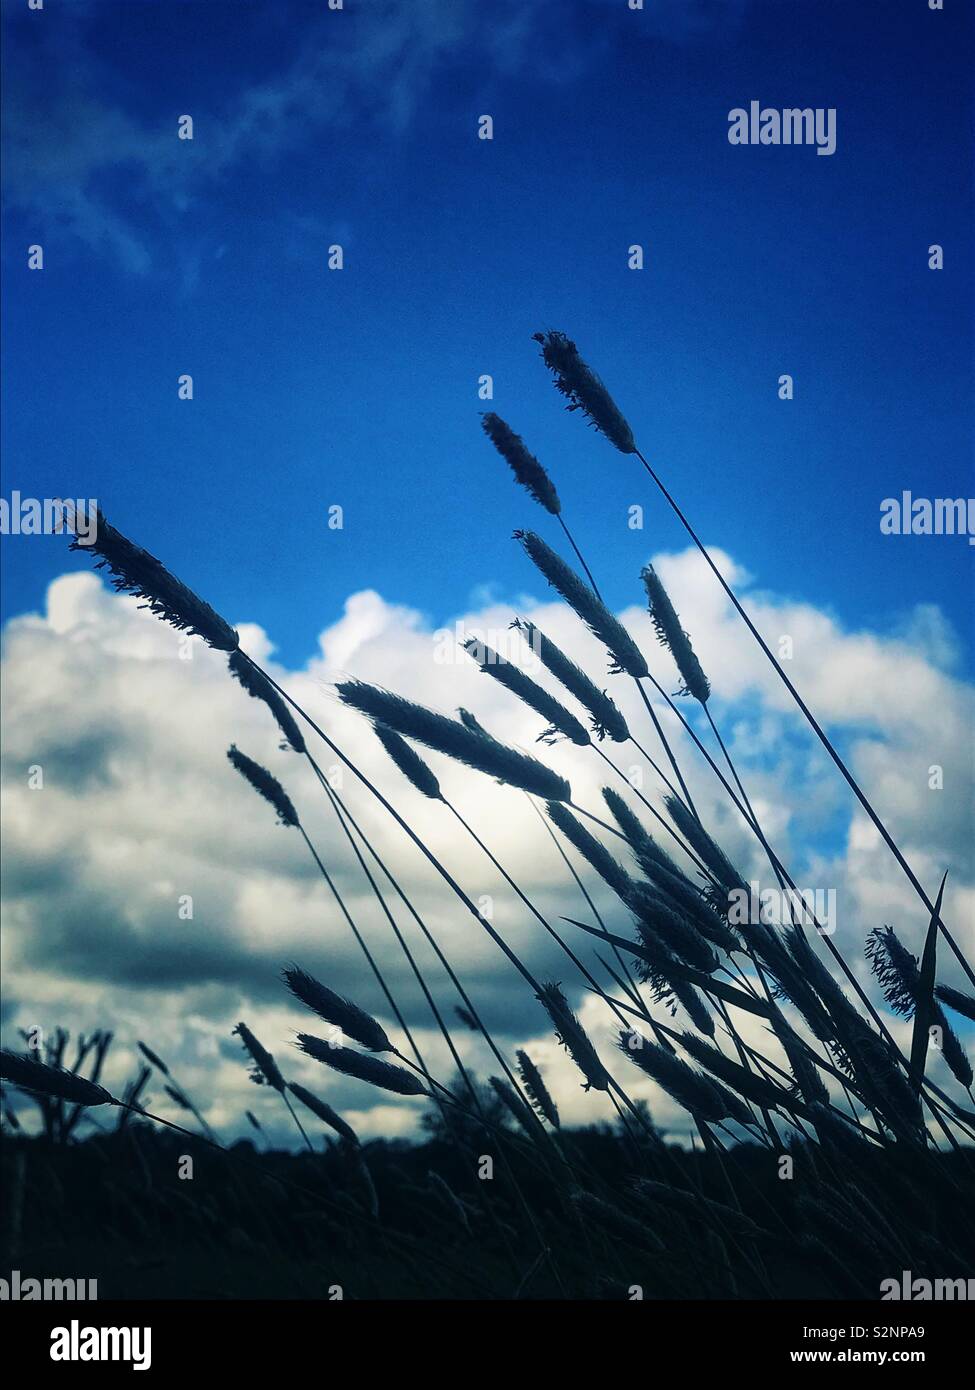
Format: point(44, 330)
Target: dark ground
point(274, 1225)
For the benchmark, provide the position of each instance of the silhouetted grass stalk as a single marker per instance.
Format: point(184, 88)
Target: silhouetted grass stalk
point(626, 655)
point(810, 718)
point(441, 1094)
point(589, 395)
point(584, 391)
point(467, 1002)
point(671, 920)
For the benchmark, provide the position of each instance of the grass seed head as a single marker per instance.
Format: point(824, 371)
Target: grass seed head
point(605, 718)
point(620, 1224)
point(625, 654)
point(583, 390)
point(525, 466)
point(177, 1098)
point(513, 1103)
point(747, 1083)
point(455, 740)
point(809, 1083)
point(697, 1094)
point(363, 1066)
point(536, 1090)
point(675, 889)
point(641, 841)
point(264, 1070)
point(156, 1060)
point(133, 570)
point(257, 685)
point(560, 720)
point(324, 1112)
point(900, 979)
point(698, 1208)
point(40, 1079)
point(264, 784)
point(673, 927)
point(573, 1038)
point(674, 638)
point(896, 970)
point(701, 842)
point(955, 999)
point(333, 1008)
point(660, 969)
point(591, 850)
point(409, 762)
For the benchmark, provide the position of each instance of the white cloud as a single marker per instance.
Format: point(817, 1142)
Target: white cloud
point(140, 807)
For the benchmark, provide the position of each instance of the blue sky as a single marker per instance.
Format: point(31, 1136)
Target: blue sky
point(359, 387)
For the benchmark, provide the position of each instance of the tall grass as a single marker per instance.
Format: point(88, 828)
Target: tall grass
point(839, 1094)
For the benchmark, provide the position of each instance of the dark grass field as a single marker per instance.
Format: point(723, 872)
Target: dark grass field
point(251, 1224)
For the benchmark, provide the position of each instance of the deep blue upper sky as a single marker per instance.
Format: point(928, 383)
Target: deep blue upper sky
point(359, 387)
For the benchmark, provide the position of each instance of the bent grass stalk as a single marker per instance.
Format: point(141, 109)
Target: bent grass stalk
point(440, 1092)
point(161, 1066)
point(626, 655)
point(343, 816)
point(467, 1003)
point(456, 887)
point(876, 1060)
point(576, 380)
point(265, 1071)
point(631, 983)
point(813, 722)
point(530, 474)
point(178, 620)
point(584, 391)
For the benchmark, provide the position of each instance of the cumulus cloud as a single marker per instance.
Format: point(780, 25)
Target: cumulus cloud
point(148, 889)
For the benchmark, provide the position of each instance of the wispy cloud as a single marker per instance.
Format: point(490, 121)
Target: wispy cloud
point(92, 161)
point(116, 179)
